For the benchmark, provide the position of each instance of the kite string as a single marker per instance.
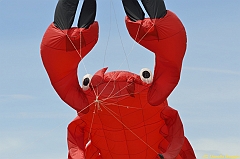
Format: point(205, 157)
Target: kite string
point(120, 36)
point(128, 54)
point(108, 38)
point(119, 105)
point(134, 44)
point(79, 53)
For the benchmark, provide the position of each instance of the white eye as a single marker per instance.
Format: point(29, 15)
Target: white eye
point(86, 81)
point(146, 75)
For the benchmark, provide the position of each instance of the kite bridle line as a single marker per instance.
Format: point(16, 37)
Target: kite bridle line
point(126, 57)
point(110, 21)
point(134, 44)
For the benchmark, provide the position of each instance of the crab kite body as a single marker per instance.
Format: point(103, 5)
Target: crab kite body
point(121, 115)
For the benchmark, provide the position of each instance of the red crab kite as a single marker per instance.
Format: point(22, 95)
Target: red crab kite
point(121, 115)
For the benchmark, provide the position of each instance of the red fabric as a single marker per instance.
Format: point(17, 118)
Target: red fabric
point(119, 121)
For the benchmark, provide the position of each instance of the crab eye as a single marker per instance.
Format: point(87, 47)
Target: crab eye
point(146, 75)
point(86, 81)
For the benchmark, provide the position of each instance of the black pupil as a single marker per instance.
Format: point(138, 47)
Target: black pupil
point(146, 74)
point(86, 81)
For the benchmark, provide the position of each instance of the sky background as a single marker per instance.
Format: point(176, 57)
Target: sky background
point(33, 119)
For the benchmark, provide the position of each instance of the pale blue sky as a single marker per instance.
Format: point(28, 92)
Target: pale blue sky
point(33, 119)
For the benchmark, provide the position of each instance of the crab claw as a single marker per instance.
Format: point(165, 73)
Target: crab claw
point(63, 48)
point(166, 38)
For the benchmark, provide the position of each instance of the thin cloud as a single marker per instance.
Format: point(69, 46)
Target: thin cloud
point(8, 144)
point(17, 96)
point(212, 70)
point(38, 115)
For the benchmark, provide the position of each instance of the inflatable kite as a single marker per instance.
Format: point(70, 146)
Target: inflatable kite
point(121, 115)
